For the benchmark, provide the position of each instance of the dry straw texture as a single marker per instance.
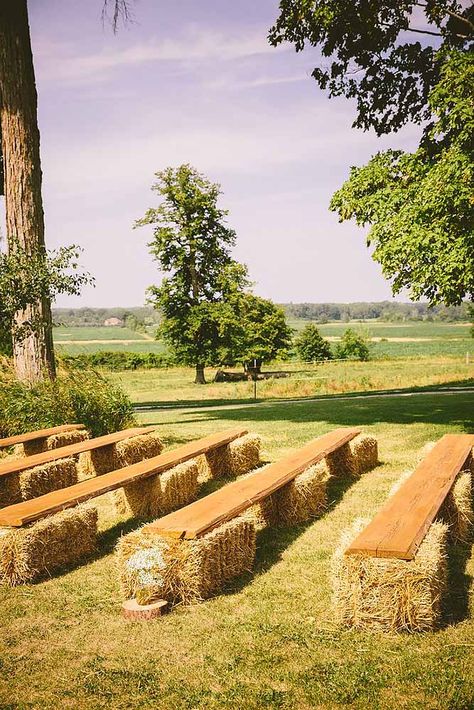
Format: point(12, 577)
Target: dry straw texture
point(56, 441)
point(234, 459)
point(365, 453)
point(37, 481)
point(341, 463)
point(184, 571)
point(303, 498)
point(98, 461)
point(159, 494)
point(29, 553)
point(457, 509)
point(138, 448)
point(390, 594)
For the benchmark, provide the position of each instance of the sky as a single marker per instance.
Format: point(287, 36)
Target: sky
point(197, 82)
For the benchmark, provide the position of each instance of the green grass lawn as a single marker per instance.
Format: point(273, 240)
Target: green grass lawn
point(269, 640)
point(177, 384)
point(100, 333)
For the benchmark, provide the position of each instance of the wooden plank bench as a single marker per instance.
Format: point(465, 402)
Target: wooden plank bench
point(38, 435)
point(205, 514)
point(401, 525)
point(18, 465)
point(29, 511)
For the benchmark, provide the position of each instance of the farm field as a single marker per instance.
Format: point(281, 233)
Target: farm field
point(174, 385)
point(269, 641)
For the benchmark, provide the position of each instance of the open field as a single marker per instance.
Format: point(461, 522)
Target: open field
point(177, 384)
point(269, 641)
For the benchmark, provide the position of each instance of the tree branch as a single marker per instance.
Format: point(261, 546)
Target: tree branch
point(121, 11)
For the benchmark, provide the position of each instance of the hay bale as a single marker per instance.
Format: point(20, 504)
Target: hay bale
point(457, 510)
point(138, 448)
point(56, 441)
point(98, 461)
point(160, 494)
point(10, 491)
point(390, 594)
point(341, 463)
point(51, 476)
point(244, 454)
point(32, 552)
point(184, 571)
point(217, 463)
point(365, 453)
point(29, 448)
point(304, 497)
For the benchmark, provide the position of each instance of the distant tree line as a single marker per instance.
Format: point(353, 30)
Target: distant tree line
point(134, 317)
point(383, 310)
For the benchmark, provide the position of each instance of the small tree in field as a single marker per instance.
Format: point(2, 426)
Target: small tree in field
point(311, 346)
point(191, 243)
point(353, 346)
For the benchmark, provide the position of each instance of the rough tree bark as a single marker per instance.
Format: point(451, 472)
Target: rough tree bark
point(33, 355)
point(200, 378)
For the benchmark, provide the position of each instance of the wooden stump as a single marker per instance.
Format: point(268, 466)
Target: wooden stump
point(134, 611)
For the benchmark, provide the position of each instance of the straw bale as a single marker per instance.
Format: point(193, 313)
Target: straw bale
point(56, 441)
point(304, 497)
point(51, 476)
point(32, 552)
point(30, 448)
point(390, 594)
point(244, 454)
point(10, 491)
point(98, 461)
point(262, 514)
point(457, 510)
point(184, 571)
point(365, 452)
point(341, 463)
point(133, 500)
point(138, 448)
point(218, 463)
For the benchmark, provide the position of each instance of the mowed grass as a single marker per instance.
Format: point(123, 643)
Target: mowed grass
point(269, 640)
point(100, 333)
point(177, 384)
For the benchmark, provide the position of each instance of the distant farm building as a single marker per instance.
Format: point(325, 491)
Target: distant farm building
point(113, 321)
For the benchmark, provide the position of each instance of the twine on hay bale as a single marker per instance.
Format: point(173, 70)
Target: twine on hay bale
point(234, 459)
point(160, 494)
point(184, 571)
point(457, 510)
point(37, 481)
point(390, 594)
point(32, 552)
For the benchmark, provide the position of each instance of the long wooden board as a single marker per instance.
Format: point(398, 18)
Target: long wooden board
point(39, 434)
point(36, 508)
point(63, 452)
point(401, 525)
point(207, 513)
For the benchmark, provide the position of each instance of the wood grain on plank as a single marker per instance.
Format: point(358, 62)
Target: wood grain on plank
point(30, 510)
point(39, 434)
point(207, 513)
point(63, 452)
point(400, 526)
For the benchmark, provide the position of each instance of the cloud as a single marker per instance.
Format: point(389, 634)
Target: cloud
point(194, 46)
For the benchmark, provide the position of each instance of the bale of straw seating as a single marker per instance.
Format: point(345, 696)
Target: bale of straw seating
point(301, 499)
point(55, 441)
point(37, 481)
point(457, 509)
point(160, 494)
point(354, 458)
point(184, 571)
point(35, 551)
point(234, 459)
point(390, 594)
point(115, 456)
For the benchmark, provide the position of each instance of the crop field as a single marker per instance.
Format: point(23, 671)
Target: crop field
point(269, 641)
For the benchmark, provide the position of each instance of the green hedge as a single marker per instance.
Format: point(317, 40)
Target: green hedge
point(117, 361)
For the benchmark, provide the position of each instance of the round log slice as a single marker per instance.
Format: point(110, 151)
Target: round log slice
point(131, 609)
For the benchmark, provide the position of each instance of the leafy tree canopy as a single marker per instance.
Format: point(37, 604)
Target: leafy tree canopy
point(353, 346)
point(420, 205)
point(311, 346)
point(191, 244)
point(369, 52)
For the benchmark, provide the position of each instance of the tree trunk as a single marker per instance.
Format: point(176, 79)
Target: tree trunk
point(200, 379)
point(34, 354)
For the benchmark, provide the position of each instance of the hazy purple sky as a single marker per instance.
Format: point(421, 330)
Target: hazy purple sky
point(196, 81)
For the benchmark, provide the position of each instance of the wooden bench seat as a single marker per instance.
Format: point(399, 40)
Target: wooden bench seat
point(402, 523)
point(39, 434)
point(31, 510)
point(18, 465)
point(203, 515)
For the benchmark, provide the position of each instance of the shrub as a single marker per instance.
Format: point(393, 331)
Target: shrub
point(353, 346)
point(117, 361)
point(83, 397)
point(310, 345)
